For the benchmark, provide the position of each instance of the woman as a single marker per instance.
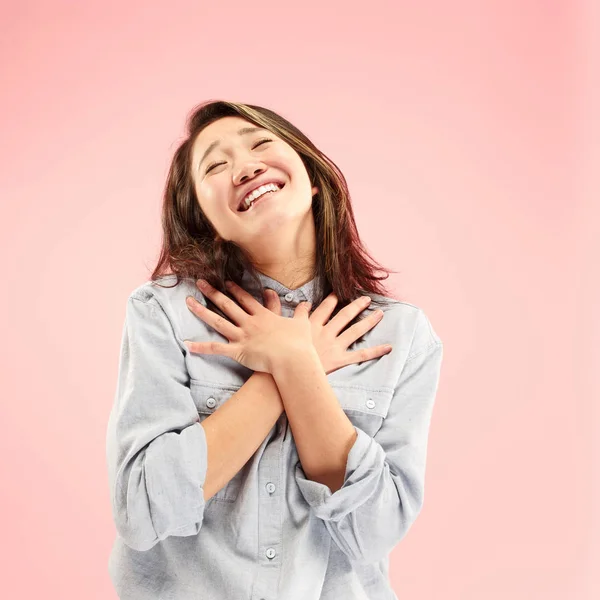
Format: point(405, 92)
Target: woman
point(257, 448)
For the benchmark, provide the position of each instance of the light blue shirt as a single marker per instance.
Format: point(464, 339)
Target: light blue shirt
point(270, 533)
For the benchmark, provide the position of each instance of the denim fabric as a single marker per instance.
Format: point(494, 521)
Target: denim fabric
point(270, 533)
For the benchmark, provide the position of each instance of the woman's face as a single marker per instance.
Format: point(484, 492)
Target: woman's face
point(236, 165)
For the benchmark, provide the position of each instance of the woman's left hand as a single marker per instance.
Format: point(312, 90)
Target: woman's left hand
point(260, 337)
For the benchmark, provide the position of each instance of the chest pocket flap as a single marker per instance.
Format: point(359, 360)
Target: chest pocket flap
point(208, 398)
point(365, 407)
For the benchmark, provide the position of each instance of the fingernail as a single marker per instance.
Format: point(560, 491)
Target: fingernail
point(190, 300)
point(387, 349)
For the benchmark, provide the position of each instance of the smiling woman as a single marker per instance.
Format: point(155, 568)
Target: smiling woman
point(264, 442)
point(232, 149)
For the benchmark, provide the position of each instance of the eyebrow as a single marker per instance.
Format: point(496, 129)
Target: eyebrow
point(242, 131)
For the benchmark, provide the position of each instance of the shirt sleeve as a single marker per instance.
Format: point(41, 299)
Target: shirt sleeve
point(155, 445)
point(383, 488)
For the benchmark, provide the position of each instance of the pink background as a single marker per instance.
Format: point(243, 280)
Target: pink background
point(465, 131)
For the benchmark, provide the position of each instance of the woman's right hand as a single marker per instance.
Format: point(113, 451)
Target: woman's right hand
point(330, 345)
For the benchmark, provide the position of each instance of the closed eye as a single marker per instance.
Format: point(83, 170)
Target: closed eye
point(212, 166)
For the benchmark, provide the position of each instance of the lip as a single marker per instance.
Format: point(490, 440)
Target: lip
point(255, 186)
point(258, 202)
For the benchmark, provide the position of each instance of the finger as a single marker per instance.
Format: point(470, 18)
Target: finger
point(302, 310)
point(210, 348)
point(322, 313)
point(250, 304)
point(346, 314)
point(227, 305)
point(353, 333)
point(364, 354)
point(217, 322)
point(272, 301)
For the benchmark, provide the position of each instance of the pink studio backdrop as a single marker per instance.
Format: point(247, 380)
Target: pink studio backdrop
point(465, 132)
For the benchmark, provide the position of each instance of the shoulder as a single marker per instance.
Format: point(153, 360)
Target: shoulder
point(166, 296)
point(165, 291)
point(410, 325)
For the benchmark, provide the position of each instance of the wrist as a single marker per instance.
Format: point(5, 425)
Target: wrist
point(268, 386)
point(289, 358)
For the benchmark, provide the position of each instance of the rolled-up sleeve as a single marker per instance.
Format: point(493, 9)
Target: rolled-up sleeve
point(383, 490)
point(155, 446)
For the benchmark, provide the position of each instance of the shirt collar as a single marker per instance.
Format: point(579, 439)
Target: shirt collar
point(306, 292)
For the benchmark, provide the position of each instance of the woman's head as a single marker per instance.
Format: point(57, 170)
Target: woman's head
point(231, 157)
point(310, 218)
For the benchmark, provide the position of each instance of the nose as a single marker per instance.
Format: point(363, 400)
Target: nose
point(248, 172)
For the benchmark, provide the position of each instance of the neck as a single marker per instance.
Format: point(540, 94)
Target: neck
point(289, 259)
point(291, 278)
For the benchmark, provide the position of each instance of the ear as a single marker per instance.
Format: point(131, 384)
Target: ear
point(315, 190)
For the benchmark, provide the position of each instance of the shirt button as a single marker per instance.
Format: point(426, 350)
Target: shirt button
point(289, 297)
point(370, 403)
point(270, 487)
point(270, 553)
point(211, 402)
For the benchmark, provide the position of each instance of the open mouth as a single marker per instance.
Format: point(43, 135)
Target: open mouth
point(260, 198)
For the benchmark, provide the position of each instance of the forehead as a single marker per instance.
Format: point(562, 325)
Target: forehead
point(221, 129)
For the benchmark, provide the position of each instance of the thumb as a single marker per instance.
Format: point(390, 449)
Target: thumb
point(303, 309)
point(272, 301)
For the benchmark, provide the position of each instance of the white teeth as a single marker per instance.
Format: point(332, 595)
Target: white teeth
point(269, 187)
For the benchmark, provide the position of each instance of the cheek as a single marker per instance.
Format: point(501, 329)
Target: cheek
point(209, 200)
point(290, 163)
point(285, 157)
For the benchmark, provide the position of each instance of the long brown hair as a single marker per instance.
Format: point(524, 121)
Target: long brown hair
point(192, 248)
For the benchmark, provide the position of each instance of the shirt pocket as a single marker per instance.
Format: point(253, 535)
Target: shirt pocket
point(365, 408)
point(207, 399)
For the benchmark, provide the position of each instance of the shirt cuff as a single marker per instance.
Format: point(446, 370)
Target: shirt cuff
point(365, 459)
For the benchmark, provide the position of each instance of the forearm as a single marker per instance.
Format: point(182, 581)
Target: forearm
point(322, 432)
point(238, 427)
